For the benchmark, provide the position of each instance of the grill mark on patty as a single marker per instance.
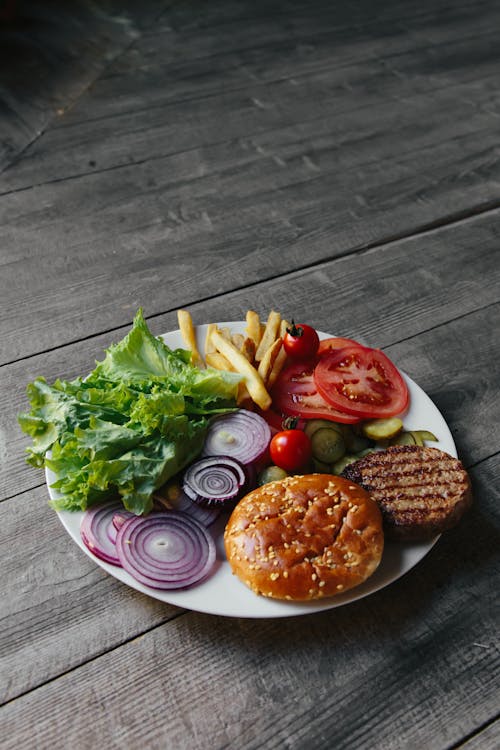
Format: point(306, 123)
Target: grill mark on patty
point(420, 490)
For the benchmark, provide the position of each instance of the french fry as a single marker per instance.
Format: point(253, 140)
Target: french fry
point(240, 363)
point(248, 349)
point(284, 325)
point(253, 327)
point(189, 335)
point(278, 365)
point(238, 339)
point(218, 361)
point(209, 346)
point(280, 360)
point(270, 334)
point(266, 364)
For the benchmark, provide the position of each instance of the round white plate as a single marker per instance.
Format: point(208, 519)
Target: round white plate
point(224, 594)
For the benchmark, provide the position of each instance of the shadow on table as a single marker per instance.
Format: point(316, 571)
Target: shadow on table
point(50, 52)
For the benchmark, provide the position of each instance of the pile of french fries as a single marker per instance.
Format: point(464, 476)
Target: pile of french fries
point(258, 355)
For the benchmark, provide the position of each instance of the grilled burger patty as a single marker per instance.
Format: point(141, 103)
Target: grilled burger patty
point(421, 491)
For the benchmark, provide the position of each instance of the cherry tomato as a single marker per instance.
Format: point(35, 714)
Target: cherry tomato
point(301, 341)
point(362, 382)
point(295, 393)
point(290, 450)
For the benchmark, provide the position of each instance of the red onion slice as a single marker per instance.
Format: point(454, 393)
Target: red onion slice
point(98, 532)
point(243, 435)
point(206, 515)
point(214, 480)
point(166, 550)
point(119, 519)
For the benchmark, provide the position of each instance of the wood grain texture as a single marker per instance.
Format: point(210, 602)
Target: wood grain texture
point(181, 191)
point(422, 635)
point(50, 53)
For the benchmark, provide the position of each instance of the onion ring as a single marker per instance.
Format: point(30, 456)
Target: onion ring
point(166, 550)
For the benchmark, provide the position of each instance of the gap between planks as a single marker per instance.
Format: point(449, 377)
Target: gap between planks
point(451, 220)
point(135, 637)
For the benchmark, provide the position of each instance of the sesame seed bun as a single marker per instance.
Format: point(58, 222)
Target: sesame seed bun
point(304, 537)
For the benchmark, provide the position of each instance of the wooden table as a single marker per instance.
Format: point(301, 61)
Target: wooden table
point(340, 163)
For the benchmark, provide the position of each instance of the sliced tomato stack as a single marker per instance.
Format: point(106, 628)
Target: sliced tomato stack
point(346, 382)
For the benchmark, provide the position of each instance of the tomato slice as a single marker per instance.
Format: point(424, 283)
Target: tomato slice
point(362, 382)
point(336, 342)
point(295, 394)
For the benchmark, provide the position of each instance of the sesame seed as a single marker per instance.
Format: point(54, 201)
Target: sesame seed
point(274, 576)
point(340, 586)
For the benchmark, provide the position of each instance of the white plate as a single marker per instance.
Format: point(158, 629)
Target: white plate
point(224, 594)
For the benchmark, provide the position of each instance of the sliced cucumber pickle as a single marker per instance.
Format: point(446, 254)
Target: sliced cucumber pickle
point(424, 435)
point(354, 441)
point(404, 438)
point(382, 429)
point(313, 425)
point(327, 445)
point(271, 474)
point(365, 452)
point(414, 437)
point(339, 466)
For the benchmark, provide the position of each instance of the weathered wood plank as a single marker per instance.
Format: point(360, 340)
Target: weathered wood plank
point(423, 637)
point(145, 129)
point(275, 183)
point(167, 243)
point(383, 296)
point(50, 53)
point(403, 56)
point(201, 60)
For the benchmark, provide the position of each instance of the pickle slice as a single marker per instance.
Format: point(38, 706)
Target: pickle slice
point(404, 438)
point(339, 466)
point(414, 437)
point(382, 429)
point(327, 445)
point(424, 435)
point(313, 425)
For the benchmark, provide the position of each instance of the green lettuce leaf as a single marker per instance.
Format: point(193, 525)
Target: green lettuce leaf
point(134, 422)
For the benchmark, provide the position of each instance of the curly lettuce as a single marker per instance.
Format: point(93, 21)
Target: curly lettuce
point(134, 422)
